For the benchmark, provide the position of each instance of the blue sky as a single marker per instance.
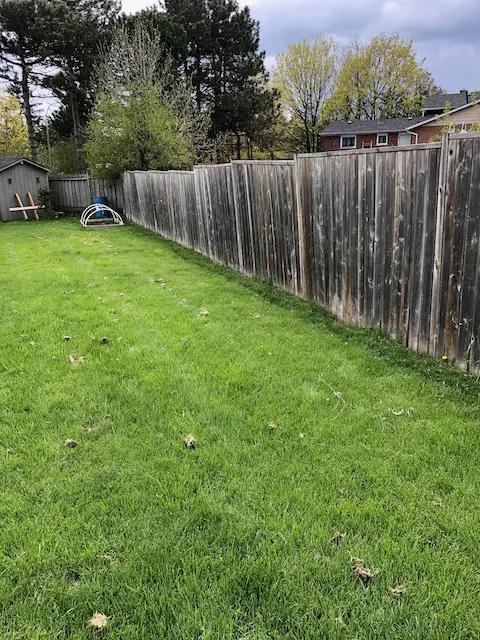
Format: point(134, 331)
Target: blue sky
point(445, 32)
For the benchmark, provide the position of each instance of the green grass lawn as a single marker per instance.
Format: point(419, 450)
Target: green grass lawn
point(231, 540)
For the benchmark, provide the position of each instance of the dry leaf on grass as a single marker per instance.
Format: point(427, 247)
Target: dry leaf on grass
point(92, 428)
point(363, 572)
point(98, 621)
point(100, 299)
point(190, 442)
point(120, 294)
point(301, 436)
point(203, 313)
point(66, 338)
point(337, 539)
point(398, 591)
point(272, 426)
point(71, 444)
point(87, 244)
point(340, 623)
point(163, 285)
point(109, 559)
point(73, 359)
point(401, 412)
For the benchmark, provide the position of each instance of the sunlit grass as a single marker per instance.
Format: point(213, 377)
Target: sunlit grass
point(232, 539)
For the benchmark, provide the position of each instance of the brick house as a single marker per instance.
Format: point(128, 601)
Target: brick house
point(361, 134)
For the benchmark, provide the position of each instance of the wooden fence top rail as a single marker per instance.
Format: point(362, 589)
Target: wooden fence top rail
point(349, 152)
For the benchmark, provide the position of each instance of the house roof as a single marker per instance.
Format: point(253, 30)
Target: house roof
point(441, 116)
point(6, 163)
point(439, 101)
point(393, 125)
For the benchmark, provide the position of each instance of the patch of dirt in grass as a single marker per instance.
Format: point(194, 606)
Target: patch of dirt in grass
point(73, 576)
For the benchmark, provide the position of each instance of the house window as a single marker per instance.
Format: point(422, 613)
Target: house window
point(348, 142)
point(382, 139)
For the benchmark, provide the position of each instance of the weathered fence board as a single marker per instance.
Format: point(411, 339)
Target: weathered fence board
point(266, 219)
point(385, 238)
point(75, 193)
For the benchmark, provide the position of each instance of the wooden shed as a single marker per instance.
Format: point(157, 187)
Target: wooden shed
point(19, 175)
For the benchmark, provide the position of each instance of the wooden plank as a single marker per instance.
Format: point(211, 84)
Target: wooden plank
point(436, 329)
point(418, 248)
point(386, 264)
point(369, 243)
point(377, 310)
point(21, 207)
point(33, 205)
point(467, 353)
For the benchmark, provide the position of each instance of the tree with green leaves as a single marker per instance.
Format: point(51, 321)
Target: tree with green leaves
point(382, 78)
point(142, 119)
point(13, 129)
point(305, 77)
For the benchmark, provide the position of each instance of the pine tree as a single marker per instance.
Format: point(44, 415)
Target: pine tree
point(24, 25)
point(82, 26)
point(221, 56)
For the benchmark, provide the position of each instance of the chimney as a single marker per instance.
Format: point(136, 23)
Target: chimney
point(464, 92)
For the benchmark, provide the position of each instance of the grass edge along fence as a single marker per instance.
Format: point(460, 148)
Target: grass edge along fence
point(382, 238)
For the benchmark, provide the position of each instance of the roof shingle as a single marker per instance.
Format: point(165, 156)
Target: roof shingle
point(394, 125)
point(440, 100)
point(7, 162)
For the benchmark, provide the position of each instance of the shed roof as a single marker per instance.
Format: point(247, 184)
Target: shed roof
point(6, 163)
point(393, 125)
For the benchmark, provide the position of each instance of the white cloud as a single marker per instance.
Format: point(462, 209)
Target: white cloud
point(444, 31)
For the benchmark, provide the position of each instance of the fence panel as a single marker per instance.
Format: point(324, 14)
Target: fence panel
point(216, 205)
point(266, 218)
point(369, 220)
point(74, 193)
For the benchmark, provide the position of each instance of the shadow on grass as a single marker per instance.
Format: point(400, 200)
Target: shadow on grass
point(378, 343)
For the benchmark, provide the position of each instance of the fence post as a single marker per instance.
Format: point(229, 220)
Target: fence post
point(439, 249)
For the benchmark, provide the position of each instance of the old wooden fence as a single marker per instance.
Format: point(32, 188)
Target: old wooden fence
point(74, 193)
point(384, 238)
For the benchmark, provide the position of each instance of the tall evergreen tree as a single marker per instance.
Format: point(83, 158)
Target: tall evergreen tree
point(222, 57)
point(24, 26)
point(83, 25)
